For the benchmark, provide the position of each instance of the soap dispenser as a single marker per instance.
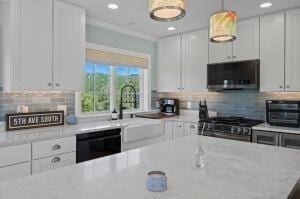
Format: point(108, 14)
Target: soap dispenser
point(114, 115)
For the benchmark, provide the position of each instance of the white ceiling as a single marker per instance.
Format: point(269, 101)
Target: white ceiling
point(134, 15)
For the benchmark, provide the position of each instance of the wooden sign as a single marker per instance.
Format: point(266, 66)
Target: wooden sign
point(18, 121)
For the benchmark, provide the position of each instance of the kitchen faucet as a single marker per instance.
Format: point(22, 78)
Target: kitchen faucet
point(134, 102)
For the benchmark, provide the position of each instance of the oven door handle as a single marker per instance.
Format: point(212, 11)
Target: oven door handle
point(98, 139)
point(227, 136)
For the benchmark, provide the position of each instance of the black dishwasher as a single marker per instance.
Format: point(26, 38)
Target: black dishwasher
point(98, 144)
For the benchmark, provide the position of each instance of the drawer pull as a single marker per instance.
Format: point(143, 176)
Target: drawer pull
point(55, 160)
point(56, 147)
point(192, 126)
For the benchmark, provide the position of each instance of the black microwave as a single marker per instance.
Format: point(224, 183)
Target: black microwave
point(241, 75)
point(283, 113)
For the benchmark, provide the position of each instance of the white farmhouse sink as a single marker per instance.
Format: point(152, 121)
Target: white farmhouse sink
point(141, 130)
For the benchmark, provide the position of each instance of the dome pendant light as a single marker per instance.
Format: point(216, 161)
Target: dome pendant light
point(223, 26)
point(167, 10)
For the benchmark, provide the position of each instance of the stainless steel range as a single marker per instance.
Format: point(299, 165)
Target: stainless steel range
point(234, 128)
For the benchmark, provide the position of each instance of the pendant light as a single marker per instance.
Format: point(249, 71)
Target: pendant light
point(167, 10)
point(223, 26)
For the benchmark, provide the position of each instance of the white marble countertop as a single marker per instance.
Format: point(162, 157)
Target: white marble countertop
point(31, 135)
point(279, 129)
point(233, 170)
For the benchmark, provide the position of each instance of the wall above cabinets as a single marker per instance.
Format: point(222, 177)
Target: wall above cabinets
point(44, 45)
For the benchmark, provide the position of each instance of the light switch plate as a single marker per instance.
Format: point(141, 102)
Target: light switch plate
point(189, 105)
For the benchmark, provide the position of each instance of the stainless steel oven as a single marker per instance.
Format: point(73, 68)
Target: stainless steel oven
point(283, 113)
point(97, 144)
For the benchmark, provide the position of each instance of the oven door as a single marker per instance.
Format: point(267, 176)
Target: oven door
point(225, 135)
point(97, 145)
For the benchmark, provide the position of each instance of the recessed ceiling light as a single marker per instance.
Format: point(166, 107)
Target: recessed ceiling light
point(113, 6)
point(266, 5)
point(171, 28)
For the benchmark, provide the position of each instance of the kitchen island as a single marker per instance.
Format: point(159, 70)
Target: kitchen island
point(233, 170)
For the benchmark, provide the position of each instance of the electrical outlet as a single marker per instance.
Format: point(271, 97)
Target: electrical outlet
point(22, 109)
point(62, 108)
point(189, 105)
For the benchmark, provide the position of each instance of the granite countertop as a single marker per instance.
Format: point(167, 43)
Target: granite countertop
point(279, 129)
point(31, 135)
point(233, 170)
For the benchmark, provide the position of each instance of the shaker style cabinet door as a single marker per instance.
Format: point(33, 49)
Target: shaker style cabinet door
point(194, 61)
point(32, 45)
point(178, 130)
point(69, 47)
point(220, 52)
point(292, 68)
point(265, 137)
point(290, 141)
point(169, 64)
point(272, 33)
point(168, 130)
point(246, 46)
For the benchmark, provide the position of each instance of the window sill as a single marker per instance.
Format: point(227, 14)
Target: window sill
point(106, 114)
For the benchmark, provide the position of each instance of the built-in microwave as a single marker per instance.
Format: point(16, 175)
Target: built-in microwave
point(283, 113)
point(241, 75)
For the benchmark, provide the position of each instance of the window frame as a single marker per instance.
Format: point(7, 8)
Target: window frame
point(145, 101)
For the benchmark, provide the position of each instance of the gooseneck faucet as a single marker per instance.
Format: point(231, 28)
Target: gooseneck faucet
point(134, 102)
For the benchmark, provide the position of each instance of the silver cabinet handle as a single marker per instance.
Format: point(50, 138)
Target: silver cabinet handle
point(55, 160)
point(280, 86)
point(179, 126)
point(229, 57)
point(56, 147)
point(288, 86)
point(234, 57)
point(192, 126)
point(57, 84)
point(49, 84)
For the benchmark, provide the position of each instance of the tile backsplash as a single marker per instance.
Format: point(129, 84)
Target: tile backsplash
point(36, 101)
point(232, 103)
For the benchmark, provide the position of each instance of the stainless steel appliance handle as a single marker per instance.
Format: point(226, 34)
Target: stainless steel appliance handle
point(227, 136)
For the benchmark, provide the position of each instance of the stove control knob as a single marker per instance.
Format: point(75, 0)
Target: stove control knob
point(246, 131)
point(239, 130)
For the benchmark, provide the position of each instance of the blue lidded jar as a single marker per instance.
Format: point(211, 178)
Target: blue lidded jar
point(156, 181)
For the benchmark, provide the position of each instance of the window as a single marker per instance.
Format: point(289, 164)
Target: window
point(103, 84)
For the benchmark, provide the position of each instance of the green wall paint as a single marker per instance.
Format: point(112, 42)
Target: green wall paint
point(119, 40)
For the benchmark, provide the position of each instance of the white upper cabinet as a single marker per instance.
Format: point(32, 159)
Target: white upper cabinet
point(272, 52)
point(292, 70)
point(32, 65)
point(195, 60)
point(169, 64)
point(44, 45)
point(69, 47)
point(246, 46)
point(220, 52)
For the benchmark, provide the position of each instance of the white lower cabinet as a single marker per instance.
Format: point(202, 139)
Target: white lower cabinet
point(178, 130)
point(15, 171)
point(169, 130)
point(53, 162)
point(190, 129)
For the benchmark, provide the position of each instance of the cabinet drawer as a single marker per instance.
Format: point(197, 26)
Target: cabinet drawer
point(15, 171)
point(53, 147)
point(53, 162)
point(15, 154)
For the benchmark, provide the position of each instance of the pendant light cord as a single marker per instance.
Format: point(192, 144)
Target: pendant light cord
point(222, 4)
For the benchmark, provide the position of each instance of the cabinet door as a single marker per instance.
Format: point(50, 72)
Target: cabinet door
point(169, 64)
point(195, 60)
point(32, 56)
point(190, 129)
point(15, 171)
point(292, 69)
point(178, 130)
point(290, 141)
point(69, 47)
point(272, 33)
point(220, 52)
point(246, 46)
point(168, 131)
point(265, 137)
